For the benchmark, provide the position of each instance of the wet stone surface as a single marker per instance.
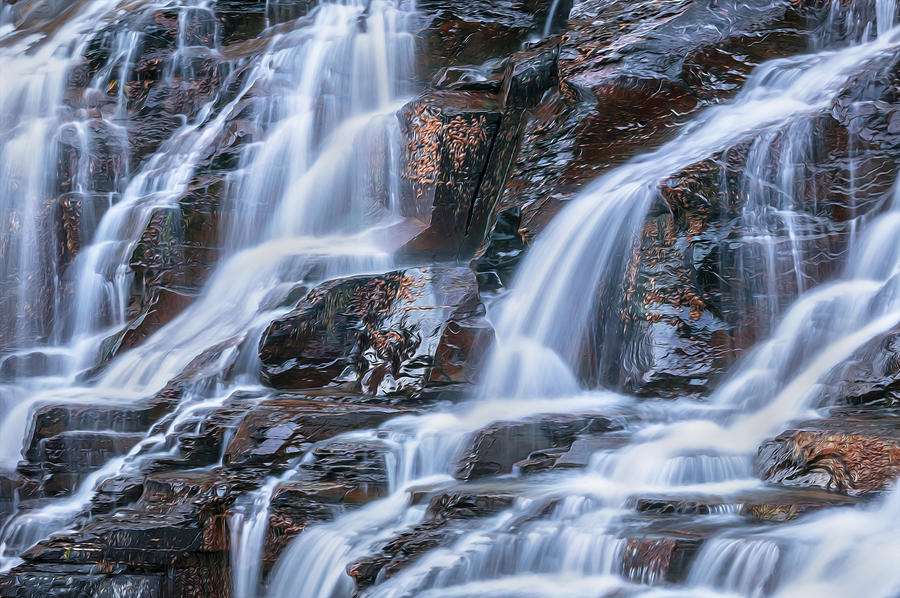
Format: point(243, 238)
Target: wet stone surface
point(396, 333)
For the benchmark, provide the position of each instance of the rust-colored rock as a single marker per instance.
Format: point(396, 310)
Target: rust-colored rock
point(851, 452)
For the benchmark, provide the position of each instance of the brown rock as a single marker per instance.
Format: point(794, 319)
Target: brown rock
point(852, 452)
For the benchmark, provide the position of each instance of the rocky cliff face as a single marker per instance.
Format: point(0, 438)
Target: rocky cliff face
point(508, 126)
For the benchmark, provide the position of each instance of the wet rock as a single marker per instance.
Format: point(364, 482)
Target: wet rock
point(173, 534)
point(241, 20)
point(655, 560)
point(72, 582)
point(31, 363)
point(93, 156)
point(393, 333)
point(871, 376)
point(495, 449)
point(853, 451)
point(51, 421)
point(460, 146)
point(771, 504)
point(461, 33)
point(69, 456)
point(66, 442)
point(485, 77)
point(78, 215)
point(787, 506)
point(449, 139)
point(282, 429)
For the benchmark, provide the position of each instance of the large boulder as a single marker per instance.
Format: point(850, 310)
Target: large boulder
point(449, 139)
point(391, 333)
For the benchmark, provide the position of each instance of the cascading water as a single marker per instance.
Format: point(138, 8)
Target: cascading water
point(579, 549)
point(315, 195)
point(325, 216)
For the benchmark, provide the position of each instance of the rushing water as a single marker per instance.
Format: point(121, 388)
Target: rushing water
point(315, 194)
point(579, 548)
point(303, 209)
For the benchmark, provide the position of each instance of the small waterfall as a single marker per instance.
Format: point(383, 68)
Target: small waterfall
point(26, 528)
point(316, 561)
point(322, 215)
point(248, 526)
point(546, 318)
point(33, 119)
point(745, 566)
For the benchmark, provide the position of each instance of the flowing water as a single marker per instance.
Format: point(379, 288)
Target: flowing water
point(314, 194)
point(304, 209)
point(579, 548)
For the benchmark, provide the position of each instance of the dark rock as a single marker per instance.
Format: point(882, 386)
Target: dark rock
point(787, 506)
point(769, 504)
point(69, 456)
point(871, 376)
point(655, 560)
point(64, 582)
point(460, 146)
point(282, 429)
point(393, 333)
point(78, 217)
point(56, 420)
point(472, 32)
point(495, 449)
point(449, 139)
point(529, 74)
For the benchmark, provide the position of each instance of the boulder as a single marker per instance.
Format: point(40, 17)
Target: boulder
point(853, 451)
point(393, 333)
point(278, 430)
point(449, 137)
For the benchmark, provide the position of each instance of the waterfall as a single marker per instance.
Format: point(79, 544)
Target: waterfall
point(325, 215)
point(312, 192)
point(572, 272)
point(547, 313)
point(34, 119)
